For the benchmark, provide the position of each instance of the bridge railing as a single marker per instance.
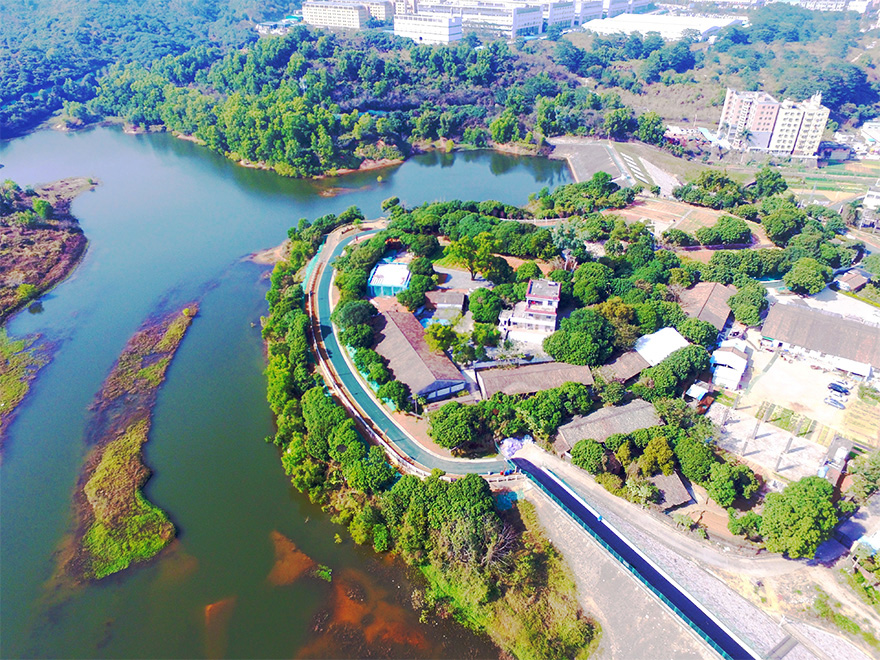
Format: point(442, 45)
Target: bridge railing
point(684, 617)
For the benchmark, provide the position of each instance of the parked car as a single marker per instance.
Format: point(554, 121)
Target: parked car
point(835, 403)
point(837, 387)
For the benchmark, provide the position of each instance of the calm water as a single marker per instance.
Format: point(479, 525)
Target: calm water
point(171, 222)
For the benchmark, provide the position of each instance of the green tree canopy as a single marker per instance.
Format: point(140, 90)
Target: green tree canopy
point(584, 338)
point(807, 276)
point(589, 455)
point(799, 518)
point(485, 305)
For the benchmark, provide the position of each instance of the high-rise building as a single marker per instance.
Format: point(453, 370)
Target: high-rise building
point(428, 28)
point(757, 121)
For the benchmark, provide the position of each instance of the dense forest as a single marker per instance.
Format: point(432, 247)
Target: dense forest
point(52, 51)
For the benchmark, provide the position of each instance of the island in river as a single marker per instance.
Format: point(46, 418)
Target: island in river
point(115, 524)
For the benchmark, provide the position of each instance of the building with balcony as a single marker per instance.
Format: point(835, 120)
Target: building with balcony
point(536, 315)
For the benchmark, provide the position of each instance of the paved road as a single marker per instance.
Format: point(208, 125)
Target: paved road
point(365, 401)
point(685, 607)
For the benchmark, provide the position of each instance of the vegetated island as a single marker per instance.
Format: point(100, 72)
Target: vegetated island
point(40, 245)
point(492, 570)
point(115, 524)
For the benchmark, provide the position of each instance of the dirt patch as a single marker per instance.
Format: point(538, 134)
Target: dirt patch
point(270, 256)
point(40, 242)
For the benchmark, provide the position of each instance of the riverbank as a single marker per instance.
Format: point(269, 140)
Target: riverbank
point(21, 360)
point(41, 243)
point(115, 525)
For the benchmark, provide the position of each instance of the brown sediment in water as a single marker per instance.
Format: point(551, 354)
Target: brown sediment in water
point(217, 616)
point(177, 567)
point(362, 620)
point(290, 562)
point(270, 256)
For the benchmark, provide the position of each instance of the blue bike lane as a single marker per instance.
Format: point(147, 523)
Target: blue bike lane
point(365, 401)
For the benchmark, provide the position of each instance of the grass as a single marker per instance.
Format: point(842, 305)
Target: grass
point(19, 363)
point(863, 590)
point(725, 399)
point(869, 295)
point(126, 528)
point(825, 609)
point(788, 420)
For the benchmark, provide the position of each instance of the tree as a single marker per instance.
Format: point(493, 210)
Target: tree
point(353, 312)
point(748, 525)
point(782, 224)
point(395, 392)
point(440, 337)
point(695, 458)
point(371, 474)
point(357, 336)
point(505, 128)
point(584, 338)
point(799, 518)
point(529, 270)
point(454, 425)
point(589, 455)
point(658, 457)
point(807, 276)
point(698, 332)
point(651, 128)
point(619, 123)
point(485, 306)
point(866, 474)
point(748, 303)
point(475, 252)
point(43, 208)
point(729, 482)
point(769, 182)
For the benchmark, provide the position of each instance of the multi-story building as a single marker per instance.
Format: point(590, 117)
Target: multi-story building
point(428, 28)
point(747, 119)
point(757, 121)
point(406, 6)
point(503, 18)
point(587, 10)
point(537, 313)
point(558, 13)
point(335, 14)
point(381, 10)
point(615, 7)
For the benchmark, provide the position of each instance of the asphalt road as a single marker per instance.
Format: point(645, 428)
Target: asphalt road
point(686, 608)
point(365, 401)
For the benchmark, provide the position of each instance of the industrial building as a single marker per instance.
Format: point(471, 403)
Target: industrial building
point(757, 121)
point(671, 28)
point(335, 14)
point(428, 28)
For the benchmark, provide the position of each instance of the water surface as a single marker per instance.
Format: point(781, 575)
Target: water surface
point(171, 222)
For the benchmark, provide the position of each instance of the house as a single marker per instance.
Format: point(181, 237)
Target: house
point(850, 346)
point(673, 492)
point(658, 346)
point(427, 374)
point(531, 378)
point(707, 301)
point(446, 299)
point(625, 366)
point(535, 317)
point(834, 467)
point(730, 361)
point(388, 279)
point(852, 280)
point(606, 422)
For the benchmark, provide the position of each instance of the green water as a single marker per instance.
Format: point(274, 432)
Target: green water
point(168, 223)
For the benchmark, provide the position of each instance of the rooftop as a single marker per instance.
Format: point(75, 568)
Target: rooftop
point(672, 490)
point(853, 279)
point(624, 367)
point(402, 342)
point(445, 297)
point(669, 27)
point(657, 346)
point(816, 330)
point(390, 274)
point(546, 289)
point(707, 301)
point(606, 422)
point(530, 378)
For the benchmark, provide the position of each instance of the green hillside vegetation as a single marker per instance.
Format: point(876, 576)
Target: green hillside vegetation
point(787, 51)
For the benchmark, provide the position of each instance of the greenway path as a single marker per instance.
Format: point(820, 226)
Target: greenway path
point(372, 414)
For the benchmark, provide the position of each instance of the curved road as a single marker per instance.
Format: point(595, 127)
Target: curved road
point(365, 401)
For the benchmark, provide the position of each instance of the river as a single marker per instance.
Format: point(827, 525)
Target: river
point(169, 222)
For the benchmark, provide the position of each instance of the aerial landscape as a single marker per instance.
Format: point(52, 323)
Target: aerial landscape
point(440, 329)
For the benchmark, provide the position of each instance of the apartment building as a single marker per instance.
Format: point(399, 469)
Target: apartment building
point(757, 121)
point(335, 14)
point(747, 119)
point(406, 6)
point(428, 28)
point(615, 7)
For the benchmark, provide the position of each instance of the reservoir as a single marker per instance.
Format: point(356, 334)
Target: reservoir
point(171, 222)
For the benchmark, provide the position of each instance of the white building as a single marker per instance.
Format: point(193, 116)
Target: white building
point(388, 279)
point(730, 361)
point(535, 317)
point(381, 10)
point(799, 127)
point(588, 10)
point(334, 14)
point(658, 346)
point(558, 13)
point(428, 28)
point(671, 28)
point(505, 18)
point(871, 134)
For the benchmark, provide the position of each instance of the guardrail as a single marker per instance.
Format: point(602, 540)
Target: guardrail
point(634, 571)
